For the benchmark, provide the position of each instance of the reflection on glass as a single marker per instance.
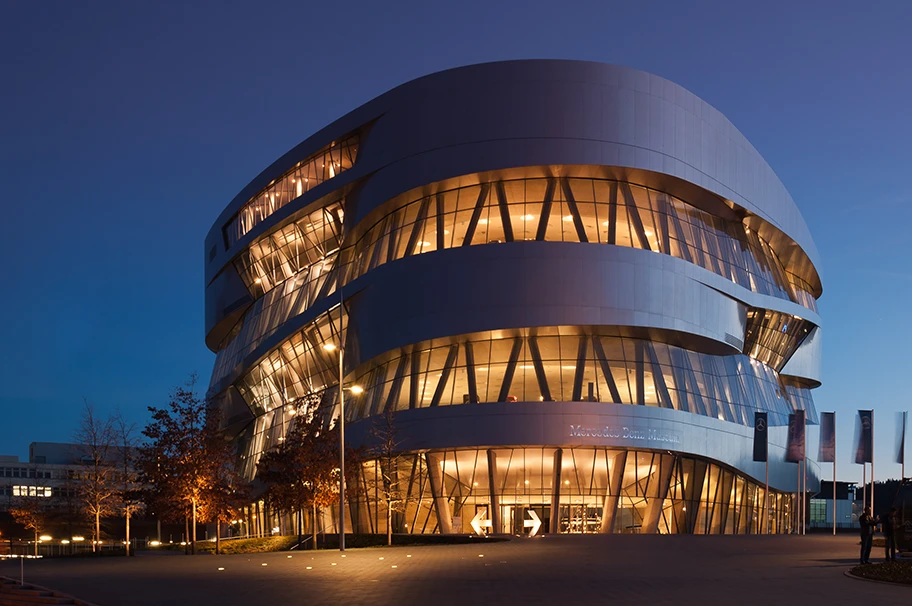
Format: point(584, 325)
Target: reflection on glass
point(772, 337)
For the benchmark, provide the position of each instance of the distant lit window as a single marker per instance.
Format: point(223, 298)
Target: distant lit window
point(31, 491)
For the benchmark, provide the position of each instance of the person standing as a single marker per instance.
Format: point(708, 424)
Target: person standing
point(888, 526)
point(867, 524)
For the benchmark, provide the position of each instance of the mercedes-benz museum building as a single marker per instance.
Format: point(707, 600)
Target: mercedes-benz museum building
point(571, 283)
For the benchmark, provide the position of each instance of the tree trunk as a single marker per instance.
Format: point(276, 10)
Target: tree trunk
point(313, 527)
point(97, 530)
point(193, 542)
point(389, 523)
point(300, 527)
point(36, 543)
point(218, 536)
point(186, 536)
point(128, 534)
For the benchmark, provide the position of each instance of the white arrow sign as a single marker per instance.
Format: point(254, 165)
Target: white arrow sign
point(534, 523)
point(478, 523)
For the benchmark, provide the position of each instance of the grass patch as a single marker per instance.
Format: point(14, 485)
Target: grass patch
point(893, 572)
point(261, 545)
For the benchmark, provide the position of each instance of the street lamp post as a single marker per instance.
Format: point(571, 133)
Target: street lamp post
point(356, 390)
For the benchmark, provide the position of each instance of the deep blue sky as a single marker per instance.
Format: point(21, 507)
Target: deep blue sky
point(126, 127)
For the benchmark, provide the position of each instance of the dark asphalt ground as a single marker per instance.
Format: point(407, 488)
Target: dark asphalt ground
point(594, 569)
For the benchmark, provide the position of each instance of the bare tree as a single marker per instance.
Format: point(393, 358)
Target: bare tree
point(30, 510)
point(388, 453)
point(125, 443)
point(98, 486)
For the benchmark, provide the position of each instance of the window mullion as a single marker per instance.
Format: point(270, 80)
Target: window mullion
point(539, 370)
point(445, 374)
point(476, 214)
point(545, 212)
point(574, 211)
point(511, 368)
point(504, 212)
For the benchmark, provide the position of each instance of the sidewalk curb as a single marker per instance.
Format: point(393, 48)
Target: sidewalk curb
point(849, 574)
point(54, 593)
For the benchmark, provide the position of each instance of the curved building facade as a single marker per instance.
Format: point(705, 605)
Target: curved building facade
point(569, 284)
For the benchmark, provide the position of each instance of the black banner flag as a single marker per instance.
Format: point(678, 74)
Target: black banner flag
point(761, 437)
point(865, 451)
point(794, 450)
point(901, 454)
point(826, 453)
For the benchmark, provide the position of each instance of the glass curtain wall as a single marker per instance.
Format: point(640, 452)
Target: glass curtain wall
point(298, 368)
point(303, 257)
point(543, 364)
point(772, 337)
point(570, 490)
point(295, 248)
point(321, 166)
point(576, 210)
point(560, 210)
point(560, 364)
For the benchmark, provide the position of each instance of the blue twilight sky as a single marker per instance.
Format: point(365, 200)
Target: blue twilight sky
point(126, 127)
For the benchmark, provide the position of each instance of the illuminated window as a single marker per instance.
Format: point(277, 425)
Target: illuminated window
point(307, 174)
point(31, 491)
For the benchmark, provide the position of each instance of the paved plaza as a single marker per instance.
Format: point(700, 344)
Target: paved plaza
point(622, 569)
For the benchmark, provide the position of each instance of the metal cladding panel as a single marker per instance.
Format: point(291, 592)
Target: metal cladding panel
point(581, 424)
point(526, 284)
point(514, 113)
point(226, 299)
point(805, 363)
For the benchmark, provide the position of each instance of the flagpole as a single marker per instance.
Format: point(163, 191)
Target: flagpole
point(804, 477)
point(798, 501)
point(803, 468)
point(834, 474)
point(872, 462)
point(766, 495)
